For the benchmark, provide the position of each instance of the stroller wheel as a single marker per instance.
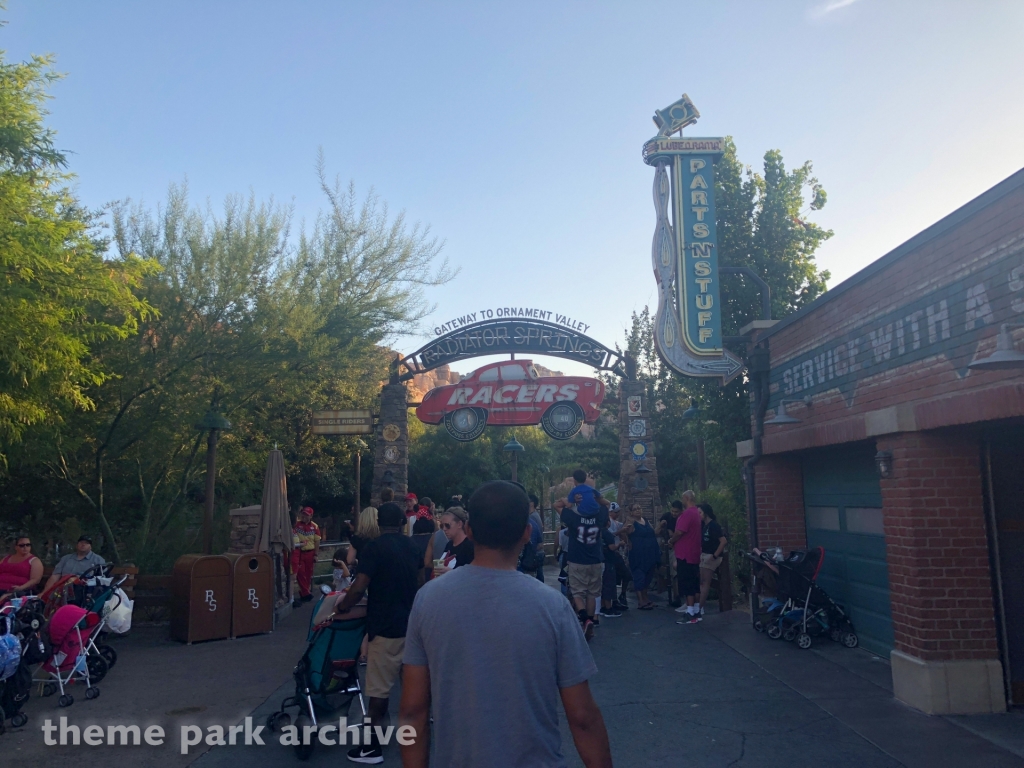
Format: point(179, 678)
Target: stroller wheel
point(97, 666)
point(758, 626)
point(277, 720)
point(66, 700)
point(774, 631)
point(19, 720)
point(803, 640)
point(789, 635)
point(92, 693)
point(49, 689)
point(303, 751)
point(109, 655)
point(835, 634)
point(850, 640)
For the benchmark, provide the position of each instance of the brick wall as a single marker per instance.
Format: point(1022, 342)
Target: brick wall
point(937, 551)
point(780, 503)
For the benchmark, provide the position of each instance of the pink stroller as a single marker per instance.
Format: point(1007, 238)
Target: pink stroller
point(70, 629)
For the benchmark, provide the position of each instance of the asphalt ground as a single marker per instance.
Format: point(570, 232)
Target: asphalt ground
point(711, 694)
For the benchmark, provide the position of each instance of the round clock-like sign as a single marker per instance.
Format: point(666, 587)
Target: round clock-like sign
point(639, 450)
point(392, 454)
point(391, 432)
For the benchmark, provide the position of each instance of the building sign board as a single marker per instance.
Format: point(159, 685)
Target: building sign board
point(688, 324)
point(358, 422)
point(950, 321)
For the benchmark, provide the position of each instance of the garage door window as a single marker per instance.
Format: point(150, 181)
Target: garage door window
point(867, 520)
point(823, 518)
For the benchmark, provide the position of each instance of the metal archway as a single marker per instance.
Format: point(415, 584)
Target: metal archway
point(510, 336)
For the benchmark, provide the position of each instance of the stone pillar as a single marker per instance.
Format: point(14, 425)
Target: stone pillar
point(636, 449)
point(946, 659)
point(392, 452)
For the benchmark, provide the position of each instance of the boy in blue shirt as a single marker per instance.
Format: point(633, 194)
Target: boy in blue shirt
point(587, 504)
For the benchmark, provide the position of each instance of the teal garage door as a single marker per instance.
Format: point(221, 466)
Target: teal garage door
point(843, 504)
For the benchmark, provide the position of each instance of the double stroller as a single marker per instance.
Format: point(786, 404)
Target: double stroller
point(792, 604)
point(22, 644)
point(327, 675)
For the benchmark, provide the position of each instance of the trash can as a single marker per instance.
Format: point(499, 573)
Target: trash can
point(201, 598)
point(252, 594)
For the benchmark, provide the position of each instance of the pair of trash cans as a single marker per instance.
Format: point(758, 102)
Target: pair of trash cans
point(214, 597)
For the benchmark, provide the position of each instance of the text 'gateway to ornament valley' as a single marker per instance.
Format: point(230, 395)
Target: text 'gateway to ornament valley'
point(511, 312)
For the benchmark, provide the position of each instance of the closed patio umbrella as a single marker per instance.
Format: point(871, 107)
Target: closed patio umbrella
point(275, 525)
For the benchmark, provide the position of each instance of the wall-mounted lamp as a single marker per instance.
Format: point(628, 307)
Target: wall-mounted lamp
point(883, 462)
point(1005, 357)
point(781, 417)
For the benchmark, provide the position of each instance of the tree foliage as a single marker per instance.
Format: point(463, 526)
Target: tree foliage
point(59, 296)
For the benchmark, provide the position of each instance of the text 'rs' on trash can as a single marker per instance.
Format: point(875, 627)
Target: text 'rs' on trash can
point(201, 598)
point(252, 605)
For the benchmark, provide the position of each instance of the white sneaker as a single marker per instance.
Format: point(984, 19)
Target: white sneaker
point(683, 609)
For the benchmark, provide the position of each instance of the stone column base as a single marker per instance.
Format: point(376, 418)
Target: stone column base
point(962, 687)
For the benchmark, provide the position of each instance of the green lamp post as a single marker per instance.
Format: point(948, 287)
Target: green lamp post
point(212, 422)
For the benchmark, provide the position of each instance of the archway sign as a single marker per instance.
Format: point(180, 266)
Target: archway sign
point(522, 332)
point(513, 330)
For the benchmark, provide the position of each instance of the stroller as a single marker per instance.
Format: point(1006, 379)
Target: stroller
point(21, 645)
point(800, 609)
point(69, 630)
point(327, 675)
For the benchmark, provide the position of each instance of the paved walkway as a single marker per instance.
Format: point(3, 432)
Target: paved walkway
point(712, 694)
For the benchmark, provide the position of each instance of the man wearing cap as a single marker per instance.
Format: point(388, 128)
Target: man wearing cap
point(77, 563)
point(306, 539)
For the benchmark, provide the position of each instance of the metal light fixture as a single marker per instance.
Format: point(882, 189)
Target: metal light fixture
point(691, 413)
point(514, 447)
point(1005, 357)
point(883, 461)
point(781, 417)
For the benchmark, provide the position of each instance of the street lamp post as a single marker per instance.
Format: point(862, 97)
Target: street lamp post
point(214, 423)
point(360, 446)
point(514, 447)
point(690, 414)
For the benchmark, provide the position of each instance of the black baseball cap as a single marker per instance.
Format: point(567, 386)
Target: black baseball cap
point(85, 537)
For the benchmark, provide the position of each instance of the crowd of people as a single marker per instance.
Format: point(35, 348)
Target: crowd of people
point(443, 627)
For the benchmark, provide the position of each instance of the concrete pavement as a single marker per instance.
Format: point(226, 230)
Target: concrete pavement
point(711, 694)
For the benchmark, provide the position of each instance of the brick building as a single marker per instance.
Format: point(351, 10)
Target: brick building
point(905, 461)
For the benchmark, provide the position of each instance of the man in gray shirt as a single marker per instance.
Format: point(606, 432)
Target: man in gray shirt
point(77, 563)
point(489, 651)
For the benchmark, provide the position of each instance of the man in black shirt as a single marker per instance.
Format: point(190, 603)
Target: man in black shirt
point(392, 564)
point(712, 547)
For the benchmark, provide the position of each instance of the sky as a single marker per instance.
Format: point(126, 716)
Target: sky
point(514, 129)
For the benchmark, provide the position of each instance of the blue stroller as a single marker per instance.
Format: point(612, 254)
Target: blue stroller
point(327, 675)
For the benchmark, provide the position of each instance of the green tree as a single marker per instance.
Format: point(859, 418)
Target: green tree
point(59, 296)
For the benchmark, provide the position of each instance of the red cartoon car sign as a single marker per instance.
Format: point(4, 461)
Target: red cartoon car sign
point(511, 393)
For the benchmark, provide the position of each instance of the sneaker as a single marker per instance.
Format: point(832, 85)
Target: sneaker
point(588, 629)
point(683, 609)
point(366, 755)
point(611, 613)
point(695, 618)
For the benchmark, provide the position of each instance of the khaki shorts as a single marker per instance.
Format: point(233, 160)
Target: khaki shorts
point(585, 580)
point(383, 665)
point(709, 562)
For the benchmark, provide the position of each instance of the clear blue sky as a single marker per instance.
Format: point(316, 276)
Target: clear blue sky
point(514, 129)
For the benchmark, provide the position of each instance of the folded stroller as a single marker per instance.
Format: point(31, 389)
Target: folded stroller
point(327, 675)
point(69, 630)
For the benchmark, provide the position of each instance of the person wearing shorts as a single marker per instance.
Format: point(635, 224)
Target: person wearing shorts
point(712, 546)
point(392, 564)
point(585, 557)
